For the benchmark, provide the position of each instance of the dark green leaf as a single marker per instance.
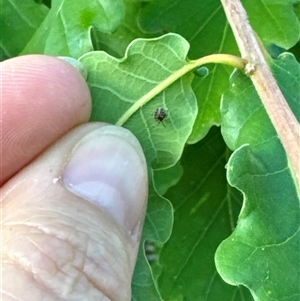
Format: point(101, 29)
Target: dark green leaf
point(19, 21)
point(166, 178)
point(296, 51)
point(263, 251)
point(205, 210)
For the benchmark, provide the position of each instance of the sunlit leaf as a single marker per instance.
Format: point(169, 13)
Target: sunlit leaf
point(274, 21)
point(66, 29)
point(117, 84)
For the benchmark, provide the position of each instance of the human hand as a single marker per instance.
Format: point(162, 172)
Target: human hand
point(71, 217)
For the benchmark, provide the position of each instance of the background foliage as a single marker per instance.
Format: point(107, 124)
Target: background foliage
point(203, 222)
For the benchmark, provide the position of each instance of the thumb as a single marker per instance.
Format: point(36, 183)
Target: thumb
point(72, 219)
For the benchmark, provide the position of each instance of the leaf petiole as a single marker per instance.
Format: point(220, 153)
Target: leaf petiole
point(226, 59)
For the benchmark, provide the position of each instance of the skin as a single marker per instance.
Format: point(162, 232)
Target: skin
point(56, 243)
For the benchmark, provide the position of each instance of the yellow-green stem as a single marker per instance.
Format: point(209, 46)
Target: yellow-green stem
point(227, 59)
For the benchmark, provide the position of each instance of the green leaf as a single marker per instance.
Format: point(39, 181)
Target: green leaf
point(157, 228)
point(66, 29)
point(191, 19)
point(263, 251)
point(196, 21)
point(142, 282)
point(238, 128)
point(116, 43)
point(166, 178)
point(117, 84)
point(205, 211)
point(19, 21)
point(274, 21)
point(208, 92)
point(203, 24)
point(296, 51)
point(287, 72)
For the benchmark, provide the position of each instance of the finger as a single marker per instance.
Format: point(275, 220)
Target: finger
point(72, 219)
point(42, 98)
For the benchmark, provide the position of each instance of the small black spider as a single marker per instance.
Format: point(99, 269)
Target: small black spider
point(160, 114)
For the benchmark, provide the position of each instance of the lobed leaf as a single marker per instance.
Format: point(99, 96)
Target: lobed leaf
point(263, 251)
point(117, 84)
point(205, 211)
point(203, 24)
point(66, 29)
point(157, 228)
